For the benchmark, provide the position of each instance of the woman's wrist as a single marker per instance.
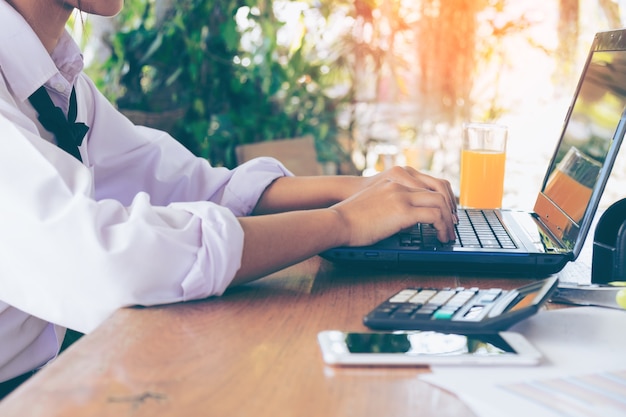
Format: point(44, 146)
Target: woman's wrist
point(301, 193)
point(346, 186)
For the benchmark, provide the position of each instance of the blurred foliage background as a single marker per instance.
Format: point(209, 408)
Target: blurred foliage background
point(217, 74)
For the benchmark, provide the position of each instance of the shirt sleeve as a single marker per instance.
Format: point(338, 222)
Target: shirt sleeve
point(144, 222)
point(121, 154)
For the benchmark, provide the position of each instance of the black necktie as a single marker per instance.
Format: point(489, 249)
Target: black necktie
point(68, 133)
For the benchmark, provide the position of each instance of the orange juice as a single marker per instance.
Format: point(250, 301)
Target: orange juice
point(482, 178)
point(569, 194)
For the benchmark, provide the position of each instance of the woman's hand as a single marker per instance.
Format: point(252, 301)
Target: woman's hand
point(412, 178)
point(395, 200)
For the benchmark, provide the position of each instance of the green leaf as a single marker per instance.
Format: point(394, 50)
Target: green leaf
point(154, 46)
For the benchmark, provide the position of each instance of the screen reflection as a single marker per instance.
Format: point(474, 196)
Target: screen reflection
point(426, 343)
point(595, 115)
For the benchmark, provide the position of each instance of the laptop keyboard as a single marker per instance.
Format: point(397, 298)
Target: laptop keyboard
point(476, 229)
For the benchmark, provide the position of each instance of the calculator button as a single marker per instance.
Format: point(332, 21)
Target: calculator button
point(422, 315)
point(402, 296)
point(490, 295)
point(473, 312)
point(422, 297)
point(488, 298)
point(461, 298)
point(443, 315)
point(401, 317)
point(442, 297)
point(382, 313)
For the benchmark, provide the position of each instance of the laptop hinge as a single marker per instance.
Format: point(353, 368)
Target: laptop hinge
point(550, 242)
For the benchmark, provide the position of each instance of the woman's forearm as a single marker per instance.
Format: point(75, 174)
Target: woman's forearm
point(275, 241)
point(302, 193)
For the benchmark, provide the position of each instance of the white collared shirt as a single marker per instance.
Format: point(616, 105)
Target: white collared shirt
point(140, 222)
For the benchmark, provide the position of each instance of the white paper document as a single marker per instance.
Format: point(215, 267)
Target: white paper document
point(583, 372)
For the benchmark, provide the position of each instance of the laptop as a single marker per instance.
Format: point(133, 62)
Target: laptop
point(543, 241)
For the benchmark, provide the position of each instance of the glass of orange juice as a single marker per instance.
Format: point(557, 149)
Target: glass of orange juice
point(482, 165)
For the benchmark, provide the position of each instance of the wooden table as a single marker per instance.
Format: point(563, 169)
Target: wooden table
point(251, 352)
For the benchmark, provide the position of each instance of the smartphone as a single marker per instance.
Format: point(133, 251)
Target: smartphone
point(426, 348)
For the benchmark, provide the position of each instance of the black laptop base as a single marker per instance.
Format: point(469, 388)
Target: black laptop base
point(483, 264)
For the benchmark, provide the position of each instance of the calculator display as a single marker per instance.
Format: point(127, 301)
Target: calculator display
point(524, 301)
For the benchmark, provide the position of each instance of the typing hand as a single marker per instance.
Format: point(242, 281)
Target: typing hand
point(387, 206)
point(410, 177)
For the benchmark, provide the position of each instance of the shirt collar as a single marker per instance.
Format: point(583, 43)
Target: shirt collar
point(24, 61)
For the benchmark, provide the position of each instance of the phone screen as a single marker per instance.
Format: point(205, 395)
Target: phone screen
point(427, 343)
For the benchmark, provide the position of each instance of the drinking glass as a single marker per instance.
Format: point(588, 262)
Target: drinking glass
point(483, 156)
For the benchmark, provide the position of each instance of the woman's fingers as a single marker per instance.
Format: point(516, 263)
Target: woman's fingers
point(389, 206)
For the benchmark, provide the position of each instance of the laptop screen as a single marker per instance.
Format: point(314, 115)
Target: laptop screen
point(591, 137)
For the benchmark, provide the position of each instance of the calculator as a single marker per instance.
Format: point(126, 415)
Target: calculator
point(460, 310)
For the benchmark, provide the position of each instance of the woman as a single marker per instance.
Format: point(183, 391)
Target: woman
point(134, 218)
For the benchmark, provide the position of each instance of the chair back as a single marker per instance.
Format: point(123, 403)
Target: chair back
point(297, 154)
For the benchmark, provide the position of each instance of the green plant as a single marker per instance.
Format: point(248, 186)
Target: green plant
point(282, 91)
point(193, 59)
